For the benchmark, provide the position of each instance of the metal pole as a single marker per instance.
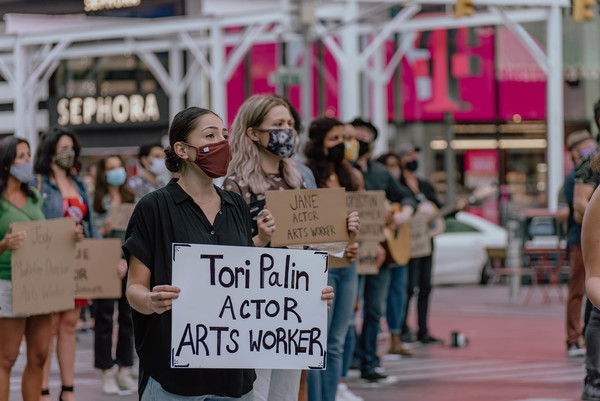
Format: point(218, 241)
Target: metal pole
point(513, 258)
point(554, 104)
point(349, 84)
point(176, 101)
point(218, 93)
point(450, 160)
point(380, 101)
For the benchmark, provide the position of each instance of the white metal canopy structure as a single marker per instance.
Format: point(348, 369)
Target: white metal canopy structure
point(353, 30)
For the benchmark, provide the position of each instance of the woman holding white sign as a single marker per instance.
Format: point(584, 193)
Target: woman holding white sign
point(111, 191)
point(19, 203)
point(65, 194)
point(325, 156)
point(263, 142)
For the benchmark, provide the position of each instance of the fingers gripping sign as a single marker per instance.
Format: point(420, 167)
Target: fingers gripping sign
point(162, 296)
point(12, 241)
point(266, 225)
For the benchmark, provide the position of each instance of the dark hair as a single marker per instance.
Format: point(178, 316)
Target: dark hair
point(359, 122)
point(597, 113)
point(101, 186)
point(298, 127)
point(383, 158)
point(183, 123)
point(47, 149)
point(145, 149)
point(316, 159)
point(8, 154)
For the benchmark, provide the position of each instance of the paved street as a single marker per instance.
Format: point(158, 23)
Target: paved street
point(514, 352)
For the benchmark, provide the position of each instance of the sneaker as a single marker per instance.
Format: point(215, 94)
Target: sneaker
point(427, 339)
point(344, 394)
point(574, 350)
point(109, 383)
point(591, 390)
point(408, 337)
point(372, 376)
point(126, 381)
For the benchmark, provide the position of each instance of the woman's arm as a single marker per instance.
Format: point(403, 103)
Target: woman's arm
point(141, 299)
point(590, 244)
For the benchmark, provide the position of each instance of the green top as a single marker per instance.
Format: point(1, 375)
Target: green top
point(10, 214)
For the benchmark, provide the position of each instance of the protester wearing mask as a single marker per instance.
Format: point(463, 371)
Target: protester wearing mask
point(153, 174)
point(112, 190)
point(65, 195)
point(420, 268)
point(263, 140)
point(19, 203)
point(376, 177)
point(325, 156)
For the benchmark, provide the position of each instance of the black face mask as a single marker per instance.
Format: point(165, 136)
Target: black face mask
point(363, 147)
point(412, 165)
point(336, 153)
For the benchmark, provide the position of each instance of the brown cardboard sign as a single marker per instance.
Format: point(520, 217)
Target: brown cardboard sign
point(336, 263)
point(308, 216)
point(96, 268)
point(120, 215)
point(366, 262)
point(370, 206)
point(420, 241)
point(42, 268)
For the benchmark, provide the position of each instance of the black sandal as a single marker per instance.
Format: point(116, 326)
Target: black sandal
point(45, 391)
point(63, 389)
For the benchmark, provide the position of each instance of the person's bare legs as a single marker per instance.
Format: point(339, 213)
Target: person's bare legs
point(46, 372)
point(38, 334)
point(65, 348)
point(11, 333)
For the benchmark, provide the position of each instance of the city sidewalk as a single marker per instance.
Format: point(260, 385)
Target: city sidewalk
point(514, 352)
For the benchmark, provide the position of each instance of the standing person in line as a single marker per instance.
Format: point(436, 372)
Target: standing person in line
point(151, 157)
point(112, 190)
point(262, 142)
point(577, 142)
point(188, 210)
point(19, 203)
point(64, 195)
point(397, 296)
point(325, 153)
point(376, 177)
point(419, 269)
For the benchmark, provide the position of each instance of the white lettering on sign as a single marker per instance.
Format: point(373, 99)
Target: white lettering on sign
point(135, 108)
point(96, 5)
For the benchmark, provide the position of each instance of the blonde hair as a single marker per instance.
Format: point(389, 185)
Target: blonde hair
point(245, 161)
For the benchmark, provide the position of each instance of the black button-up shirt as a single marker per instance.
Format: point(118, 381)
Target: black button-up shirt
point(161, 218)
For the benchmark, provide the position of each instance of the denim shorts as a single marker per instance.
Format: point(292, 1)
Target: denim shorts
point(6, 300)
point(155, 392)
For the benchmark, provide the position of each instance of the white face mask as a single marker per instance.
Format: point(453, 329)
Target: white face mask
point(157, 167)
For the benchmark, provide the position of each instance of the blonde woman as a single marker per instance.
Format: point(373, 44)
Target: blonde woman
point(262, 142)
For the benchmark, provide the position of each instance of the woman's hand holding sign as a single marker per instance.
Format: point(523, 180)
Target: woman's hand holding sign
point(161, 298)
point(11, 241)
point(353, 225)
point(266, 225)
point(328, 295)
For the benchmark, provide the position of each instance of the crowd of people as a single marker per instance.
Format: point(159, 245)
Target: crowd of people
point(258, 153)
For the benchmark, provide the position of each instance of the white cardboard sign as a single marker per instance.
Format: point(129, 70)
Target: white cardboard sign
point(244, 307)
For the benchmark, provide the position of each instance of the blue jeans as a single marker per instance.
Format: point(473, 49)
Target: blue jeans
point(349, 346)
point(375, 297)
point(322, 384)
point(155, 392)
point(397, 298)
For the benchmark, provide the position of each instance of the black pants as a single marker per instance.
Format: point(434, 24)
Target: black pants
point(419, 275)
point(103, 333)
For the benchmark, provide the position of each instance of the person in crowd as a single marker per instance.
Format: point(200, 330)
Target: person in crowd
point(19, 203)
point(215, 216)
point(376, 177)
point(112, 190)
point(397, 296)
point(65, 195)
point(151, 157)
point(325, 153)
point(577, 142)
point(263, 141)
point(419, 268)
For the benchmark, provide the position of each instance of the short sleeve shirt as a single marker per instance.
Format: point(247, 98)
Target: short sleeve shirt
point(256, 202)
point(584, 173)
point(159, 219)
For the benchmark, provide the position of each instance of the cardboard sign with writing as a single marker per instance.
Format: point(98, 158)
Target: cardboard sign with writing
point(420, 241)
point(308, 216)
point(96, 268)
point(42, 268)
point(120, 215)
point(370, 206)
point(245, 307)
point(366, 262)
